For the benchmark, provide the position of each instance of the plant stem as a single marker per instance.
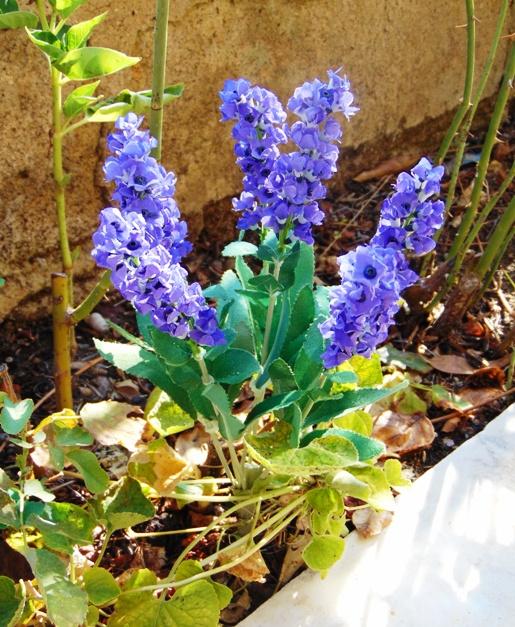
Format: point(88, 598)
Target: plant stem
point(92, 299)
point(62, 341)
point(467, 88)
point(502, 232)
point(103, 548)
point(41, 12)
point(270, 316)
point(159, 74)
point(457, 250)
point(59, 180)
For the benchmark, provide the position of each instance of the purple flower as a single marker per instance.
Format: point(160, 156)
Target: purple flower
point(283, 190)
point(143, 240)
point(409, 217)
point(363, 306)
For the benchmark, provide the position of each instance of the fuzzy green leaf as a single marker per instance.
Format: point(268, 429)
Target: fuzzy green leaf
point(233, 366)
point(239, 249)
point(64, 525)
point(95, 477)
point(323, 552)
point(15, 415)
point(85, 63)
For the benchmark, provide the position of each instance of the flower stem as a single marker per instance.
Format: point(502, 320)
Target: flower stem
point(270, 316)
point(502, 232)
point(159, 74)
point(467, 88)
point(62, 340)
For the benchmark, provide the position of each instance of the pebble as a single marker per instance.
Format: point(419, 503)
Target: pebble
point(448, 442)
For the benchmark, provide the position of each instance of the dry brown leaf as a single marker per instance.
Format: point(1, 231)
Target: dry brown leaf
point(403, 434)
point(127, 388)
point(111, 422)
point(477, 396)
point(451, 364)
point(489, 376)
point(193, 445)
point(236, 611)
point(251, 569)
point(451, 425)
point(293, 558)
point(370, 523)
point(390, 166)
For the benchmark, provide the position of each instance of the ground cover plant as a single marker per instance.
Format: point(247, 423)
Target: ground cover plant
point(260, 421)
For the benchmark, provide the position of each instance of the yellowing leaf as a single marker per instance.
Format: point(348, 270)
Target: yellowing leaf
point(359, 421)
point(160, 467)
point(165, 416)
point(253, 568)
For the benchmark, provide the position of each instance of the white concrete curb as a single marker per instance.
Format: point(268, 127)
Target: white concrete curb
point(447, 559)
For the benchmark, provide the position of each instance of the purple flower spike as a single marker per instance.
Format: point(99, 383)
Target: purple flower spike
point(143, 240)
point(409, 217)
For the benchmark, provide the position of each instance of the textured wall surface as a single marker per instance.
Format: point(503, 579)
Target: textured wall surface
point(405, 59)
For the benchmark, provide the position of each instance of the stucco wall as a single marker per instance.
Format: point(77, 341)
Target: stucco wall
point(405, 59)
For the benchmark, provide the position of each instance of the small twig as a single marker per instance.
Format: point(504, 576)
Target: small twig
point(82, 370)
point(462, 412)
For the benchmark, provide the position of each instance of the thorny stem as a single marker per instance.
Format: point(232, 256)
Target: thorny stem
point(62, 341)
point(159, 74)
point(467, 88)
point(456, 249)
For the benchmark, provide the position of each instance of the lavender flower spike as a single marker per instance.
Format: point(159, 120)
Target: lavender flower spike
point(143, 240)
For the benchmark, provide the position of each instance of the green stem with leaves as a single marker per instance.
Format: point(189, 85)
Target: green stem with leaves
point(159, 74)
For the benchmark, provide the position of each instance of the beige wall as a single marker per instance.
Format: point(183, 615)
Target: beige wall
point(405, 59)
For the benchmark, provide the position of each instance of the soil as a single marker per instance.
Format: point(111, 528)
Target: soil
point(351, 217)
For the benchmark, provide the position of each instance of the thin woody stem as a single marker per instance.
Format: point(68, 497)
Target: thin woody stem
point(62, 341)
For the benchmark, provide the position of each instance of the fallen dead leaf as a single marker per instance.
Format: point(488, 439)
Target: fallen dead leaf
point(251, 569)
point(127, 388)
point(402, 433)
point(111, 422)
point(478, 396)
point(193, 445)
point(489, 376)
point(370, 523)
point(390, 166)
point(293, 559)
point(474, 328)
point(237, 610)
point(451, 425)
point(451, 364)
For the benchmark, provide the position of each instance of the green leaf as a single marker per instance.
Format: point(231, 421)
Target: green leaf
point(238, 249)
point(265, 282)
point(125, 505)
point(288, 267)
point(78, 34)
point(301, 318)
point(108, 112)
point(346, 483)
point(66, 604)
point(230, 427)
point(34, 487)
point(165, 416)
point(359, 421)
point(171, 350)
point(8, 6)
point(47, 42)
point(282, 376)
point(345, 376)
point(272, 450)
point(367, 370)
point(100, 585)
point(308, 364)
point(85, 63)
point(64, 525)
point(136, 361)
point(66, 7)
point(233, 366)
point(381, 496)
point(323, 552)
point(409, 402)
point(367, 448)
point(76, 436)
point(273, 403)
point(18, 19)
point(279, 333)
point(15, 416)
point(325, 410)
point(9, 515)
point(11, 603)
point(190, 568)
point(80, 99)
point(404, 359)
point(95, 477)
point(393, 472)
point(304, 271)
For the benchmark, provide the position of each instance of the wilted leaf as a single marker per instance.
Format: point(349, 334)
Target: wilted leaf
point(402, 433)
point(110, 422)
point(370, 523)
point(159, 466)
point(447, 400)
point(451, 364)
point(125, 505)
point(393, 472)
point(165, 416)
point(293, 559)
point(479, 396)
point(404, 359)
point(253, 568)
